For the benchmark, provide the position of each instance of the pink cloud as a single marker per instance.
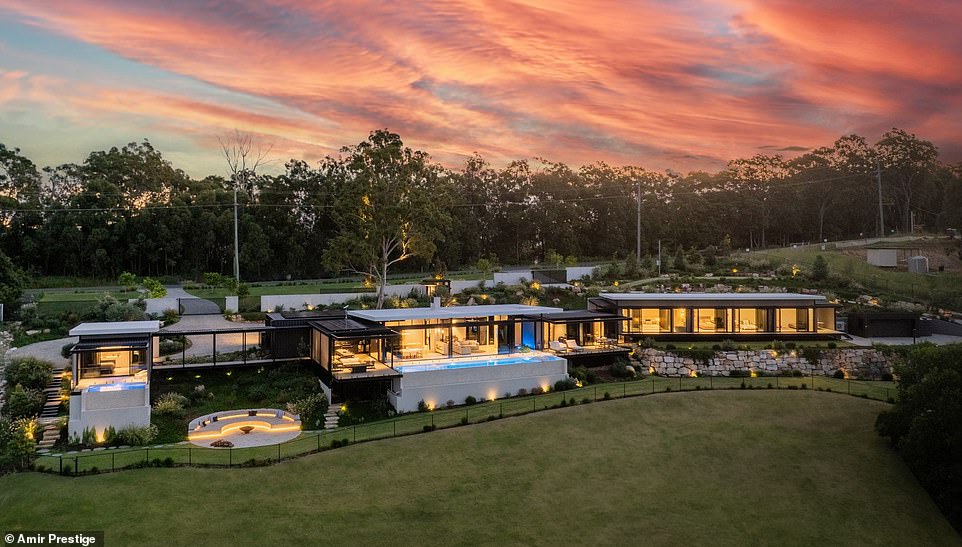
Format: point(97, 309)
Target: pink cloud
point(647, 84)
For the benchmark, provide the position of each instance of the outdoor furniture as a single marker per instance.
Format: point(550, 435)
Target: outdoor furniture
point(556, 346)
point(573, 345)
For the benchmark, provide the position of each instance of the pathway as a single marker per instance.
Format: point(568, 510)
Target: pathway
point(48, 350)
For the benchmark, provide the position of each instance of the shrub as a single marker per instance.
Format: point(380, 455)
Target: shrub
point(832, 345)
point(820, 268)
point(777, 345)
point(619, 369)
point(670, 346)
point(137, 436)
point(449, 404)
point(606, 396)
point(803, 386)
point(739, 373)
point(537, 390)
point(65, 350)
point(839, 374)
point(728, 345)
point(887, 377)
point(565, 385)
point(797, 373)
point(170, 404)
point(429, 427)
point(310, 409)
point(258, 392)
point(168, 346)
point(522, 392)
point(422, 406)
point(24, 402)
point(585, 400)
point(30, 372)
point(470, 400)
point(716, 347)
point(790, 345)
point(647, 342)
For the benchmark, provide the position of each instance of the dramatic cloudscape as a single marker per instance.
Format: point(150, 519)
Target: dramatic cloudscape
point(683, 85)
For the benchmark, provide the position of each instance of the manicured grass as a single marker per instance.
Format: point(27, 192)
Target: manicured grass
point(706, 468)
point(77, 301)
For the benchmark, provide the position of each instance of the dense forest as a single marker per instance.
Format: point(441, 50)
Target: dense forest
point(129, 209)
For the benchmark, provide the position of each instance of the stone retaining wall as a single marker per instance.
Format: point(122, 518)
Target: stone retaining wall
point(857, 363)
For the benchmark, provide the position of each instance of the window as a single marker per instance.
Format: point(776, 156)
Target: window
point(680, 320)
point(752, 320)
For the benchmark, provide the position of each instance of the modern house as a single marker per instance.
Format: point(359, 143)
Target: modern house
point(710, 316)
point(433, 355)
point(111, 375)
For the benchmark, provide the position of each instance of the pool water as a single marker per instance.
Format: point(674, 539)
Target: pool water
point(449, 364)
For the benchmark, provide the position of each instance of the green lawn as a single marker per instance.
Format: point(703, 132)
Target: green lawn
point(711, 468)
point(78, 301)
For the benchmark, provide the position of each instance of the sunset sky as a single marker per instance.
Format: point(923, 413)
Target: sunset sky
point(660, 84)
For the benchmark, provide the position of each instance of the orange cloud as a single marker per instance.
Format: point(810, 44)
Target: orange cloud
point(651, 84)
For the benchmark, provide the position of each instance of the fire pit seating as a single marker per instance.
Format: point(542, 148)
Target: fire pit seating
point(244, 421)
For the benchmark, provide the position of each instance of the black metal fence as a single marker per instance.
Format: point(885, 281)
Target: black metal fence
point(311, 442)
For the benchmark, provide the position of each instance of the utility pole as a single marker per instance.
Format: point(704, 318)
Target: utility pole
point(236, 244)
point(659, 258)
point(881, 218)
point(638, 233)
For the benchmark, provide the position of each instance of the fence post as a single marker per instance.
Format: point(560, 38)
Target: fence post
point(190, 460)
point(652, 384)
point(500, 413)
point(679, 383)
point(711, 381)
point(596, 393)
point(355, 433)
point(75, 466)
point(624, 390)
point(230, 457)
point(318, 442)
point(147, 454)
point(113, 467)
point(432, 419)
point(849, 386)
point(394, 423)
point(278, 451)
point(61, 465)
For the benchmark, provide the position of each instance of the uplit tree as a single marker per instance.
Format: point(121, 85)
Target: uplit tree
point(387, 207)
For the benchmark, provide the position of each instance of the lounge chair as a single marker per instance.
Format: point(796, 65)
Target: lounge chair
point(556, 346)
point(573, 345)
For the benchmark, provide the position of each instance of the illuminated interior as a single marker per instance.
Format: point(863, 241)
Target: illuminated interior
point(728, 320)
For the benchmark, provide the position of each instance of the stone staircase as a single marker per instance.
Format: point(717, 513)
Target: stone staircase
point(52, 391)
point(51, 432)
point(331, 417)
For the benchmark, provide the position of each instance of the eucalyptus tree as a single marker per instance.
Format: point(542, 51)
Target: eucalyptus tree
point(386, 207)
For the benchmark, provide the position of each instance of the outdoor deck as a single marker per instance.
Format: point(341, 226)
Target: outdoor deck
point(595, 350)
point(371, 370)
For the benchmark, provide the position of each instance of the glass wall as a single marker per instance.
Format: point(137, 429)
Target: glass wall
point(825, 319)
point(680, 320)
point(713, 319)
point(794, 319)
point(110, 362)
point(752, 320)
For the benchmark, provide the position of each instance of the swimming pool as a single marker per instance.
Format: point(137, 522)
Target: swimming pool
point(120, 386)
point(490, 361)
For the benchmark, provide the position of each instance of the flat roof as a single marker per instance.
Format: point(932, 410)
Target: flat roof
point(704, 297)
point(115, 328)
point(347, 327)
point(450, 312)
point(576, 316)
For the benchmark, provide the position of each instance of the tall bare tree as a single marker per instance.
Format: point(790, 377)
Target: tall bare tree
point(243, 159)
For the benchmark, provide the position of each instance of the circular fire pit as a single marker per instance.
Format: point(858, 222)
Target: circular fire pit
point(244, 428)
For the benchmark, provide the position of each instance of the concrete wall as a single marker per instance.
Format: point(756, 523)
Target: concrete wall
point(857, 363)
point(437, 387)
point(512, 278)
point(577, 272)
point(100, 410)
point(298, 301)
point(883, 257)
point(158, 305)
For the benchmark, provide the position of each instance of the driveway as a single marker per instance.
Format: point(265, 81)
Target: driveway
point(48, 350)
point(204, 344)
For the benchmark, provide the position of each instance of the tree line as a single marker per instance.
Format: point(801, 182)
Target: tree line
point(378, 204)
